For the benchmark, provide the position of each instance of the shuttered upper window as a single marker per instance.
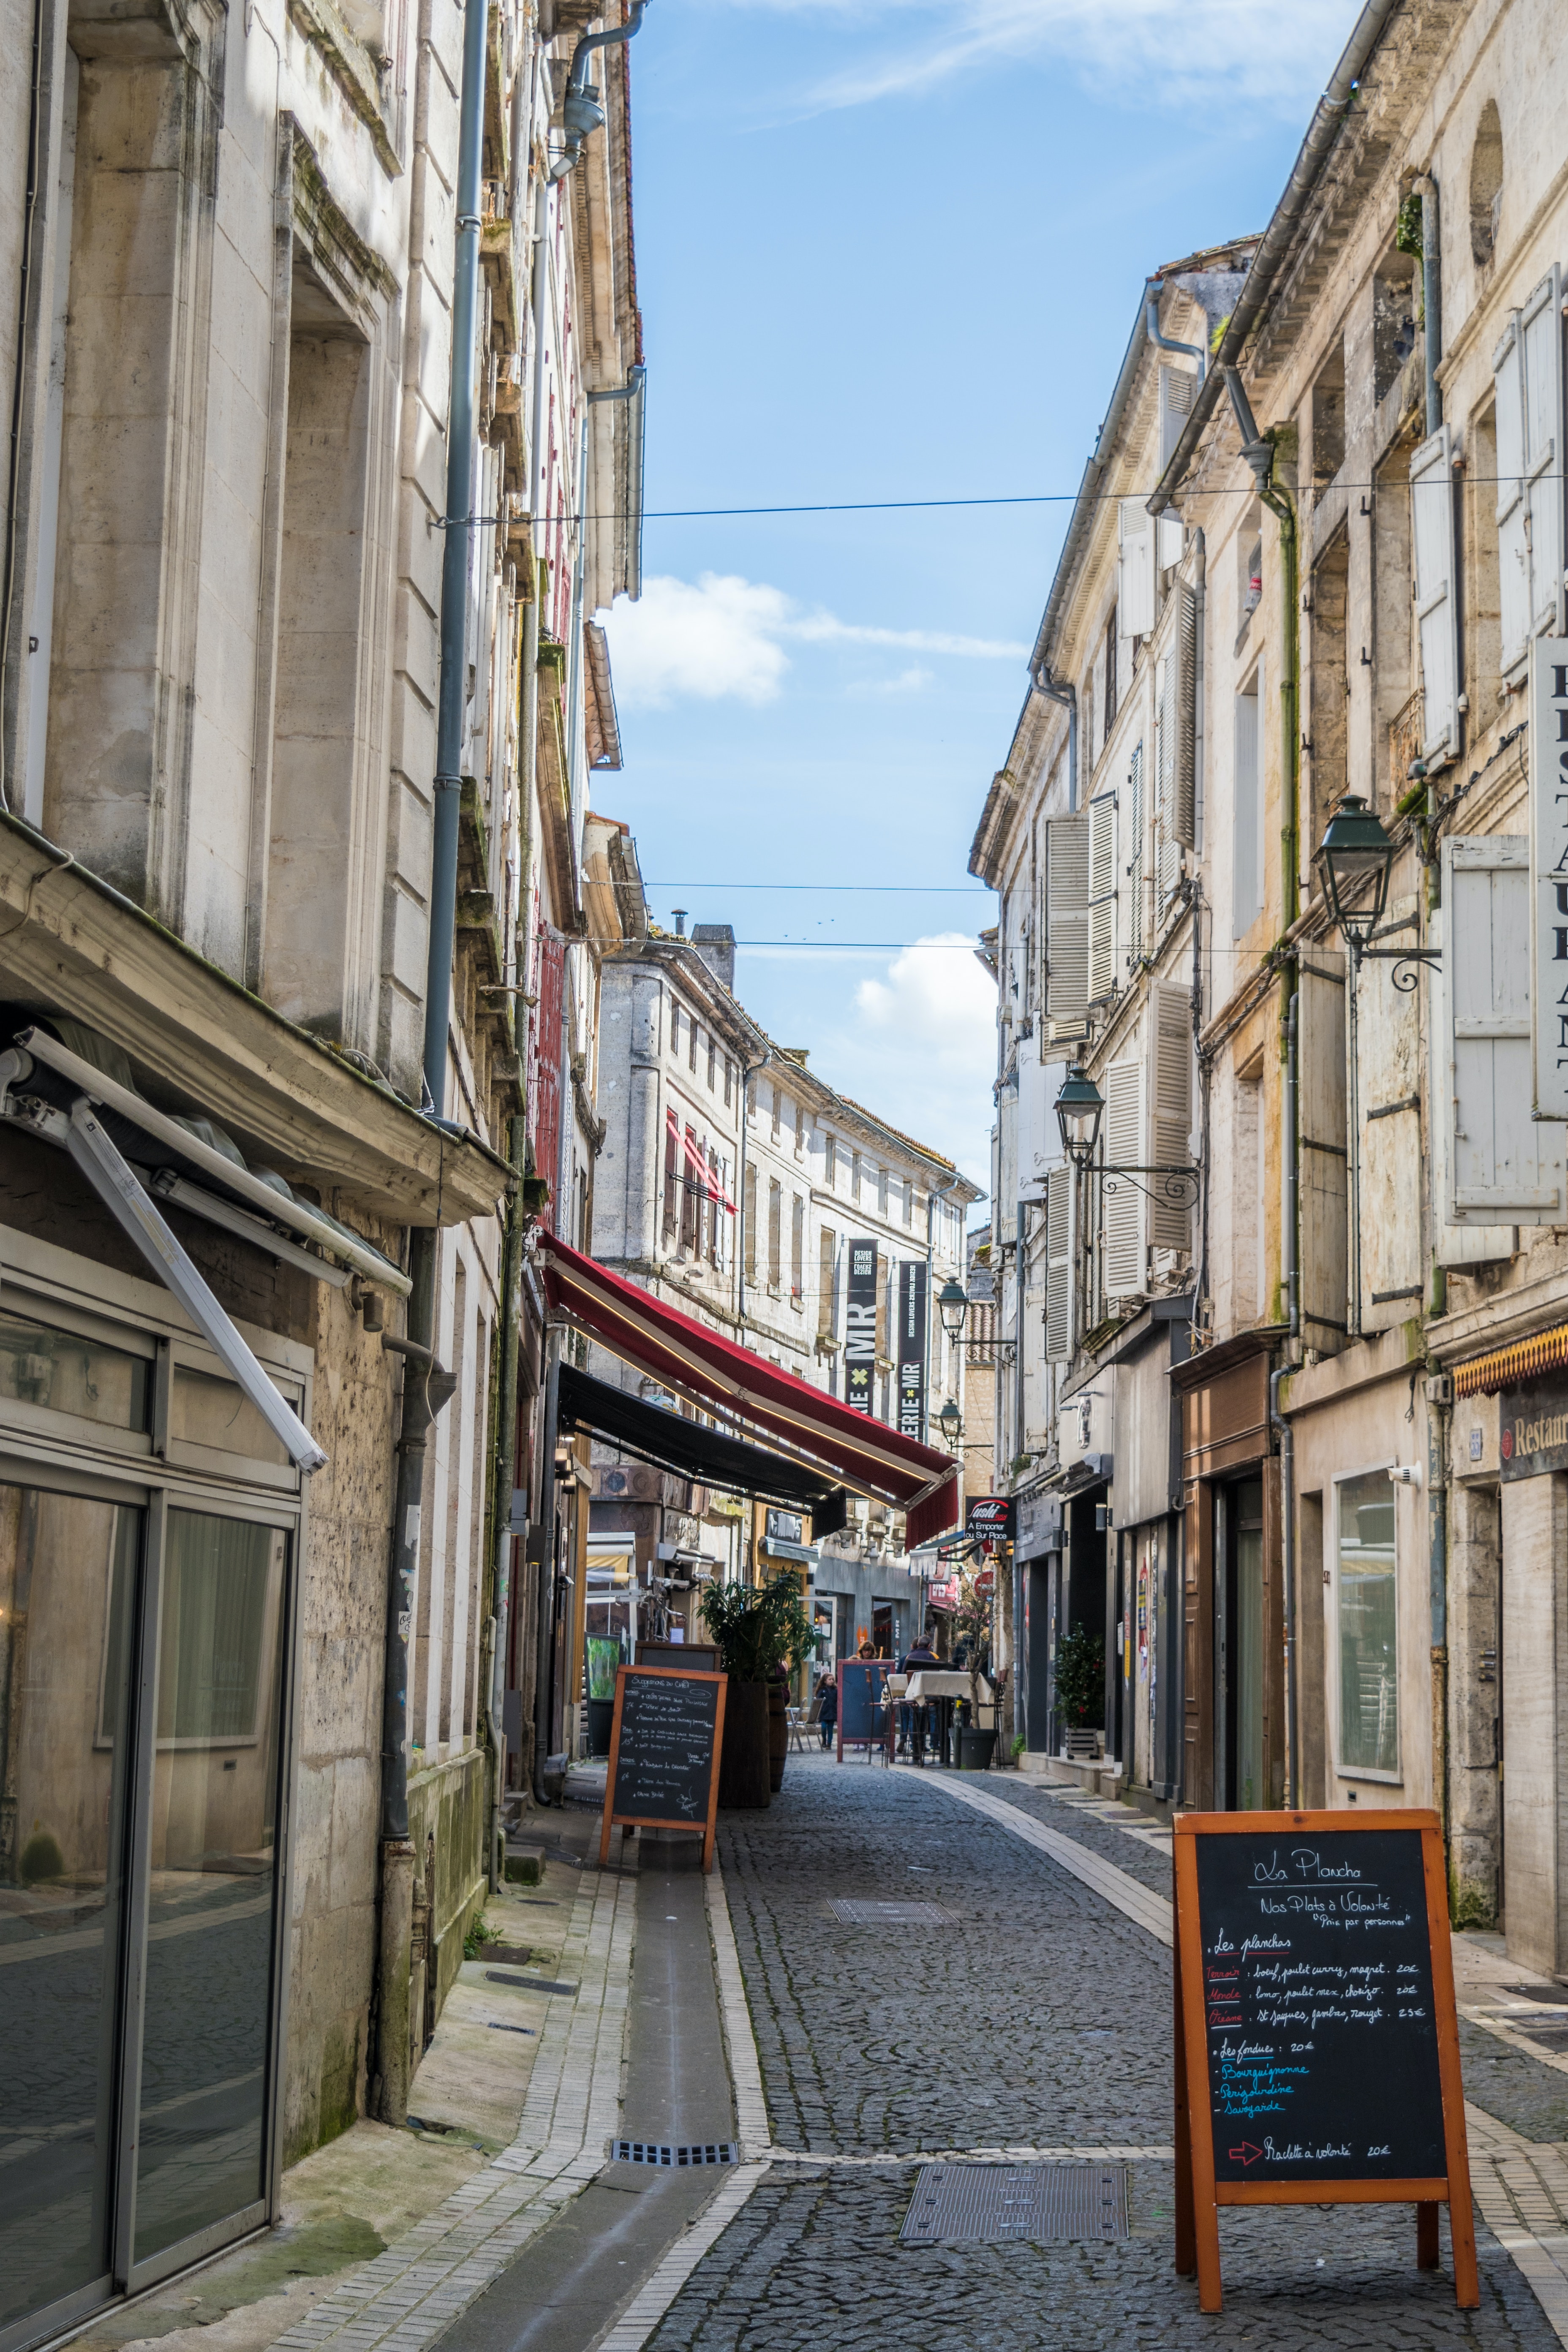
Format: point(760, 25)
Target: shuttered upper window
point(1527, 366)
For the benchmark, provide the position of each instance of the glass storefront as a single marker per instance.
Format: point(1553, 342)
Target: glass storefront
point(1369, 1679)
point(143, 1674)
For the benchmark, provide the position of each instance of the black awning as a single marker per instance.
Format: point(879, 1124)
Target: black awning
point(651, 1433)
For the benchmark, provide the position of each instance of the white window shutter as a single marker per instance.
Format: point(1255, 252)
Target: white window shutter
point(1246, 813)
point(1135, 589)
point(1170, 1114)
point(1123, 1245)
point(1513, 506)
point(1432, 536)
point(1470, 1243)
point(1067, 925)
point(1541, 337)
point(1501, 1165)
point(1185, 642)
point(1058, 1265)
point(1133, 928)
point(1176, 389)
point(1101, 896)
point(1324, 1146)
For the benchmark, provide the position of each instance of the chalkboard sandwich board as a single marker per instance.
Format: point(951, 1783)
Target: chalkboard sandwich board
point(1317, 2045)
point(864, 1717)
point(664, 1753)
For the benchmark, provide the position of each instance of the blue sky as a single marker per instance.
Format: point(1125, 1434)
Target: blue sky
point(892, 249)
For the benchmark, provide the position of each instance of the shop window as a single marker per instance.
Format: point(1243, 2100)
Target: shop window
point(218, 1602)
point(43, 1364)
point(1366, 1612)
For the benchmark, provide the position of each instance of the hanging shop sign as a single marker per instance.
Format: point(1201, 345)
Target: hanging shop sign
point(1039, 1525)
point(1317, 2045)
point(990, 1519)
point(1548, 874)
point(1532, 1429)
point(860, 1327)
point(910, 1350)
point(665, 1744)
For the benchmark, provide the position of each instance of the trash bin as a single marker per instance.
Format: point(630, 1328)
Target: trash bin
point(976, 1749)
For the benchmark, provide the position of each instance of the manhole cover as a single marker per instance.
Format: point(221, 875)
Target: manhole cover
point(991, 2201)
point(859, 1911)
point(528, 1984)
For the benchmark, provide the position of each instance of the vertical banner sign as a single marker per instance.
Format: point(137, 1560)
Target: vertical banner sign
point(911, 1348)
point(1549, 873)
point(860, 1326)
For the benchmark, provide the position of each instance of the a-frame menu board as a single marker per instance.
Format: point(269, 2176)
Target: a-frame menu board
point(665, 1745)
point(1317, 2047)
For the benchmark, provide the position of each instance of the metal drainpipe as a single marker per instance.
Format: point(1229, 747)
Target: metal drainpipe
point(545, 1629)
point(1151, 293)
point(940, 1194)
point(1044, 683)
point(1431, 296)
point(1438, 1425)
point(461, 419)
point(747, 1073)
point(1018, 1339)
point(506, 1480)
point(1287, 1437)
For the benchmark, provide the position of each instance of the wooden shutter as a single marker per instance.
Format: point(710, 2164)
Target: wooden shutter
point(1432, 537)
point(1323, 1147)
point(1388, 1088)
point(1541, 338)
point(1170, 1113)
point(1502, 1164)
point(1101, 896)
point(1135, 587)
point(1513, 506)
point(1470, 1243)
point(827, 1283)
point(1058, 1265)
point(1067, 925)
point(1176, 389)
point(1133, 925)
point(1124, 1204)
point(1246, 877)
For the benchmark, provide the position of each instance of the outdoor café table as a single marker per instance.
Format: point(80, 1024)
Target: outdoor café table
point(943, 1686)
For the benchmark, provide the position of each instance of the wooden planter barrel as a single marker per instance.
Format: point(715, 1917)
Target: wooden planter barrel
point(743, 1780)
point(778, 1732)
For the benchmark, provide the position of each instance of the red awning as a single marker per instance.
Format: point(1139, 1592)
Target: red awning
point(721, 1378)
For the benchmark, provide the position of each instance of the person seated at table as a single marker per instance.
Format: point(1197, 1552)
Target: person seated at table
point(827, 1708)
point(919, 1656)
point(866, 1650)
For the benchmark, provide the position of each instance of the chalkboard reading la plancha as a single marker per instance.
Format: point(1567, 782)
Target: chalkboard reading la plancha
point(1317, 2047)
point(664, 1753)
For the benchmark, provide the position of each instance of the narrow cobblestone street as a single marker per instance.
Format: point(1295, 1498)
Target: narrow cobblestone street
point(1033, 2016)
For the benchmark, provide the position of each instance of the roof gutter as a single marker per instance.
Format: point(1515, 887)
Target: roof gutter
point(1322, 132)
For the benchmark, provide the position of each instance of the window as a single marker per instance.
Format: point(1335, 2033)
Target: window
point(691, 1198)
point(41, 1363)
point(797, 1249)
point(692, 1044)
point(729, 1081)
point(826, 1282)
point(750, 1210)
point(775, 1232)
point(830, 1164)
point(855, 1176)
point(1247, 814)
point(671, 1174)
point(908, 1200)
point(799, 1129)
point(715, 1207)
point(1366, 1611)
point(882, 1191)
point(778, 1112)
point(674, 1031)
point(1329, 416)
point(1110, 677)
point(1486, 185)
point(713, 1062)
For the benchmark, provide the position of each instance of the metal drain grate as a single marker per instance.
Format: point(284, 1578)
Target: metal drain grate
point(647, 2151)
point(859, 1911)
point(993, 2201)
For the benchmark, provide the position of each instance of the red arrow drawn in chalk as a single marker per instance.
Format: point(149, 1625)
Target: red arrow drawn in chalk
point(1245, 2153)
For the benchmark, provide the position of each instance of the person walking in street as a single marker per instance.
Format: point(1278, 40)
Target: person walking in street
point(919, 1656)
point(827, 1708)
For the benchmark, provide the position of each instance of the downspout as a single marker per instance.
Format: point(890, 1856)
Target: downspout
point(1151, 293)
point(24, 304)
point(505, 1483)
point(545, 1629)
point(1438, 1416)
point(1431, 296)
point(423, 1398)
point(747, 1075)
point(1042, 681)
point(1287, 1437)
point(458, 527)
point(940, 1194)
point(1018, 1339)
point(581, 112)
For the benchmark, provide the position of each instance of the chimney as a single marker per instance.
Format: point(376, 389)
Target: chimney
point(679, 914)
point(715, 943)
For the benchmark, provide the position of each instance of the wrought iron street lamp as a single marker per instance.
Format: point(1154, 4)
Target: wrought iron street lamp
point(1356, 860)
point(1080, 1109)
point(950, 1420)
point(953, 1303)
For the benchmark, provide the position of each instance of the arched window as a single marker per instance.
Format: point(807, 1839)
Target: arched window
point(1486, 183)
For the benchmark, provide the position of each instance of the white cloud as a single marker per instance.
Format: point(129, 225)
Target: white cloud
point(724, 637)
point(907, 681)
point(921, 1051)
point(1167, 52)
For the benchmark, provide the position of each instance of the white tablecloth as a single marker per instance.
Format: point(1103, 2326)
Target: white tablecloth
point(945, 1685)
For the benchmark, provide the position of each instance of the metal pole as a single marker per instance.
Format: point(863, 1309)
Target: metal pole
point(545, 1630)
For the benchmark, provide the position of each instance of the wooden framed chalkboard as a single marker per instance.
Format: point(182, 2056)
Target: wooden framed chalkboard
point(664, 1740)
point(1317, 2045)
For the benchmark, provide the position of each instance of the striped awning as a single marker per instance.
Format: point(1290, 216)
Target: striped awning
point(1505, 1368)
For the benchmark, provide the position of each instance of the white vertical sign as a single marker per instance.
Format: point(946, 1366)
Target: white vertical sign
point(1549, 872)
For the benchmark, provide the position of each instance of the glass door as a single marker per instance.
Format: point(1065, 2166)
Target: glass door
point(68, 1571)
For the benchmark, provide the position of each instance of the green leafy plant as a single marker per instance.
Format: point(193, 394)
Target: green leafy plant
point(603, 1657)
point(1080, 1679)
point(756, 1632)
point(1019, 1744)
point(478, 1936)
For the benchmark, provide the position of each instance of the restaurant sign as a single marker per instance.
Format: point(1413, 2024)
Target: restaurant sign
point(1549, 874)
point(860, 1326)
point(1532, 1429)
point(990, 1519)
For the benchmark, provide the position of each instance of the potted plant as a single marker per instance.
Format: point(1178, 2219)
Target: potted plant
point(603, 1657)
point(756, 1632)
point(1080, 1689)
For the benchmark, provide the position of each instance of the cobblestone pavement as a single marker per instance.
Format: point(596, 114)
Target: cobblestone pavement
point(1035, 2015)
